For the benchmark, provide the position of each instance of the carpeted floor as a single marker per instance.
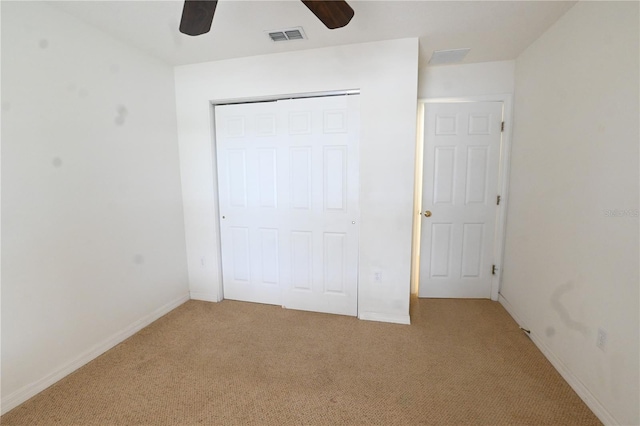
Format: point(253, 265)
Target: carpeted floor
point(460, 362)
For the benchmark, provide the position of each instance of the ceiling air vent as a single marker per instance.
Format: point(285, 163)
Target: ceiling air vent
point(448, 56)
point(286, 35)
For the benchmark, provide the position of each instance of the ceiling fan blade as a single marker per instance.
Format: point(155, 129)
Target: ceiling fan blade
point(197, 16)
point(333, 13)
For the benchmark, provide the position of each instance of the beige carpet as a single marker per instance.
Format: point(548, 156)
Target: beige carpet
point(460, 362)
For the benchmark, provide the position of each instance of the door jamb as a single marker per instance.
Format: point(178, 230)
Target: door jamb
point(503, 181)
point(216, 197)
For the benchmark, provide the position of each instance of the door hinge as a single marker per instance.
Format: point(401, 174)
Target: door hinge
point(498, 201)
point(502, 127)
point(493, 269)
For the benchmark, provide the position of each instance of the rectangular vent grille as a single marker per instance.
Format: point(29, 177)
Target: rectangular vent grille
point(451, 56)
point(286, 35)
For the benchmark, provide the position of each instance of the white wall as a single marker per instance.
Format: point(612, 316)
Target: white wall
point(465, 80)
point(571, 269)
point(386, 74)
point(93, 240)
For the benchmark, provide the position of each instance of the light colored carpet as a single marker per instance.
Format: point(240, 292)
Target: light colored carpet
point(460, 362)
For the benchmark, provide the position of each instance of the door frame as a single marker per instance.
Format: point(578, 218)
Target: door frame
point(503, 184)
point(214, 163)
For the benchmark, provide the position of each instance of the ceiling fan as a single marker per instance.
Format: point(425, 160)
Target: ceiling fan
point(197, 15)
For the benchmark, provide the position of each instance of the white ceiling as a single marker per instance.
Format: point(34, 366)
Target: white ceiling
point(494, 30)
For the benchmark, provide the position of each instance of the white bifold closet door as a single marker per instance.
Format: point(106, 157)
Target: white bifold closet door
point(288, 191)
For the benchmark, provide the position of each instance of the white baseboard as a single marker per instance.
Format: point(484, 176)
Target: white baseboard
point(21, 395)
point(583, 392)
point(205, 296)
point(374, 316)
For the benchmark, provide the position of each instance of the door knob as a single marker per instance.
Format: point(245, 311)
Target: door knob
point(427, 213)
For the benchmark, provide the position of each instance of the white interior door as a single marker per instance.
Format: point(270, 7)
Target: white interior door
point(460, 187)
point(288, 189)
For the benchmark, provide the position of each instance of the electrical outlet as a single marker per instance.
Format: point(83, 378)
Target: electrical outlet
point(377, 276)
point(601, 340)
